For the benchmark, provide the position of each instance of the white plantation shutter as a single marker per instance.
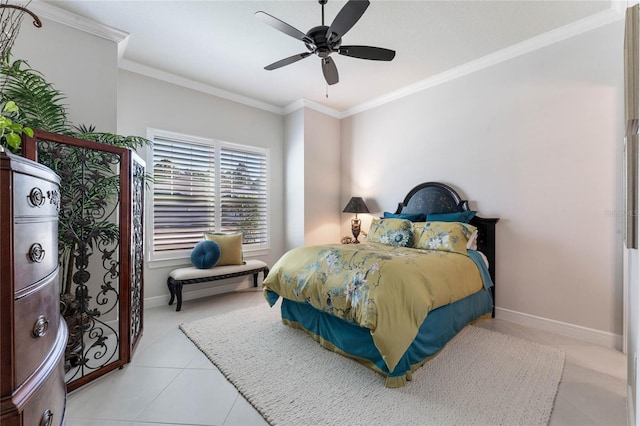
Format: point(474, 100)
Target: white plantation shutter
point(207, 185)
point(183, 193)
point(243, 193)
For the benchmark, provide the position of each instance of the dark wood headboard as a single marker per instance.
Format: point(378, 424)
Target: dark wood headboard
point(436, 197)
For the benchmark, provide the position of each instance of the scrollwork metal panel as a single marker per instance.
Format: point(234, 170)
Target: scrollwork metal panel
point(101, 255)
point(137, 247)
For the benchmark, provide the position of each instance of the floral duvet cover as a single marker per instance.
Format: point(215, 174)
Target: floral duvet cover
point(388, 290)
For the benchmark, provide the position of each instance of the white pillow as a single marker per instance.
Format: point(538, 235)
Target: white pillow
point(472, 244)
point(486, 261)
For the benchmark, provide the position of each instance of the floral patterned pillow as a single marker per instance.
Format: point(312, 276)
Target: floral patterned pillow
point(392, 232)
point(444, 236)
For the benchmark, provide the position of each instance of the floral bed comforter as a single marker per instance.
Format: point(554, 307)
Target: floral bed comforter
point(388, 290)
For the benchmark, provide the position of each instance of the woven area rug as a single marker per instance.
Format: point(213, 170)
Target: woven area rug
point(480, 378)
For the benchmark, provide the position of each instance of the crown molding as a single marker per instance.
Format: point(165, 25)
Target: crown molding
point(306, 103)
point(293, 106)
point(138, 68)
point(121, 38)
point(45, 10)
point(616, 12)
point(611, 15)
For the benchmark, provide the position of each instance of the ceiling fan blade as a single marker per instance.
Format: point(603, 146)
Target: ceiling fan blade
point(282, 26)
point(329, 70)
point(346, 18)
point(367, 52)
point(287, 61)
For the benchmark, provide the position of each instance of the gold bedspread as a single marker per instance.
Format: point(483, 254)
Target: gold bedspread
point(389, 290)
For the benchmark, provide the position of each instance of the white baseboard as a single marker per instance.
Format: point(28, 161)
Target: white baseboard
point(156, 301)
point(586, 334)
point(631, 417)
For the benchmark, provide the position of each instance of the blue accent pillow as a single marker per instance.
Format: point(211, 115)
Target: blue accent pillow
point(413, 217)
point(205, 254)
point(463, 217)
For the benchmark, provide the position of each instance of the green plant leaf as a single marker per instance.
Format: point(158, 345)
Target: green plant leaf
point(10, 106)
point(13, 140)
point(15, 127)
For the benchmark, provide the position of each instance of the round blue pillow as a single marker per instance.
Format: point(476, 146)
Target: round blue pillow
point(205, 254)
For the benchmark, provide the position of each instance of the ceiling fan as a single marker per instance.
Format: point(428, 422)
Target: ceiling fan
point(325, 40)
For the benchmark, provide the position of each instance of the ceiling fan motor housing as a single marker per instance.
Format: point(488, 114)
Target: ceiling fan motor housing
point(321, 46)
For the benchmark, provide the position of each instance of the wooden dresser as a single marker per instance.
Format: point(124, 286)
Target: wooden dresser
point(32, 334)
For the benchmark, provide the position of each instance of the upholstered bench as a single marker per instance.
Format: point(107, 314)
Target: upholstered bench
point(192, 275)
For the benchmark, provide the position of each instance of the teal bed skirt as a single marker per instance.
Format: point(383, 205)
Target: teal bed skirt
point(348, 339)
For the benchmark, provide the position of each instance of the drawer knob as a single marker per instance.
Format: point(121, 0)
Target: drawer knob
point(36, 197)
point(36, 253)
point(47, 418)
point(41, 326)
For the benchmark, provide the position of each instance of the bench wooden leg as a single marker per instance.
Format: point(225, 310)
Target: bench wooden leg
point(175, 289)
point(171, 289)
point(265, 271)
point(179, 295)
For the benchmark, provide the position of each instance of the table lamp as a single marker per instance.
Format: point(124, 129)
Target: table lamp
point(355, 205)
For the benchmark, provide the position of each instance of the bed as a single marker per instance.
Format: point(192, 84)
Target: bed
point(393, 302)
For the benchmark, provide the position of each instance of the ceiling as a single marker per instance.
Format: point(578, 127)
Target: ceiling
point(222, 45)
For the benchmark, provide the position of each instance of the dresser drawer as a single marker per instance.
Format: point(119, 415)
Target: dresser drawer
point(34, 196)
point(37, 320)
point(47, 406)
point(35, 251)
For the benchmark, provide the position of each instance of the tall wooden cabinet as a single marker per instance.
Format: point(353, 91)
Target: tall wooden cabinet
point(32, 334)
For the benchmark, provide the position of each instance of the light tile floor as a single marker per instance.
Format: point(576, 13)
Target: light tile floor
point(170, 382)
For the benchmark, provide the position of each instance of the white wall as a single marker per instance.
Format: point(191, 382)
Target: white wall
point(146, 102)
point(294, 179)
point(535, 141)
point(322, 178)
point(312, 157)
point(82, 66)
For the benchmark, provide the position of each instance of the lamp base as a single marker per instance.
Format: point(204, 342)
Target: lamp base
point(355, 230)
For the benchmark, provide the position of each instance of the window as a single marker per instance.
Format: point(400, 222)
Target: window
point(206, 185)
